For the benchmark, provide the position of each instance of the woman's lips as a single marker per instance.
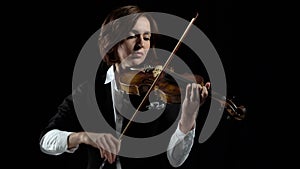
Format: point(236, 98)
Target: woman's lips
point(138, 54)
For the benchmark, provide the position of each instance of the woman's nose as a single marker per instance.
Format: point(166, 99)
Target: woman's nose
point(140, 41)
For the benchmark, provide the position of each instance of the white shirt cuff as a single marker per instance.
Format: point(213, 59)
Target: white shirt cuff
point(55, 142)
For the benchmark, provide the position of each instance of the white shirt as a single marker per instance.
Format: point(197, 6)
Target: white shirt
point(55, 142)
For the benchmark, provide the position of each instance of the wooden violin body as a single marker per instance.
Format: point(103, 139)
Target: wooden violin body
point(139, 82)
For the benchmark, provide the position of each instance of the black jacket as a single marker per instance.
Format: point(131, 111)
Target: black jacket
point(66, 119)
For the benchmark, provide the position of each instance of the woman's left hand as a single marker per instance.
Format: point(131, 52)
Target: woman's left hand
point(195, 96)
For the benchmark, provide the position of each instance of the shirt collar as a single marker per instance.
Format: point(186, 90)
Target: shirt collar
point(110, 75)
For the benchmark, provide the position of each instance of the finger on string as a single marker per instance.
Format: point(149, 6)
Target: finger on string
point(204, 92)
point(197, 90)
point(207, 85)
point(194, 92)
point(188, 91)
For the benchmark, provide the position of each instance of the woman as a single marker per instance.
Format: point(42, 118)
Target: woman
point(124, 43)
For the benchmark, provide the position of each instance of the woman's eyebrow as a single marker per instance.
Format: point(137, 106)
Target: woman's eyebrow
point(137, 32)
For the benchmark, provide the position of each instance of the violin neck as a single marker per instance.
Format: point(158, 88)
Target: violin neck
point(178, 77)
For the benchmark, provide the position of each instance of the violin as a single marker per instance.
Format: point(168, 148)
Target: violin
point(170, 87)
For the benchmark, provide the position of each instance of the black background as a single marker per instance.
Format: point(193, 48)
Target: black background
point(51, 34)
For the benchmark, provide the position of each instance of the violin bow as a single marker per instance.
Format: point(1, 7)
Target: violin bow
point(159, 74)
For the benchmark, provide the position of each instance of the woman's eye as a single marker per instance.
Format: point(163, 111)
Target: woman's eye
point(146, 38)
point(131, 37)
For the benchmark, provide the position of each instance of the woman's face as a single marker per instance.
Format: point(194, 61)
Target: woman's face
point(134, 49)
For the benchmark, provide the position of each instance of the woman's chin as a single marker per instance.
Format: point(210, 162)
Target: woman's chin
point(135, 63)
point(132, 63)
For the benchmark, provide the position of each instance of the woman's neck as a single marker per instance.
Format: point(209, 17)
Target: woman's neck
point(118, 68)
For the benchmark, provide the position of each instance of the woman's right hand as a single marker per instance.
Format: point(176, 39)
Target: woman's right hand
point(108, 145)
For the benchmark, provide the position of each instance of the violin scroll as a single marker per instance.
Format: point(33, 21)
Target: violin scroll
point(234, 112)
